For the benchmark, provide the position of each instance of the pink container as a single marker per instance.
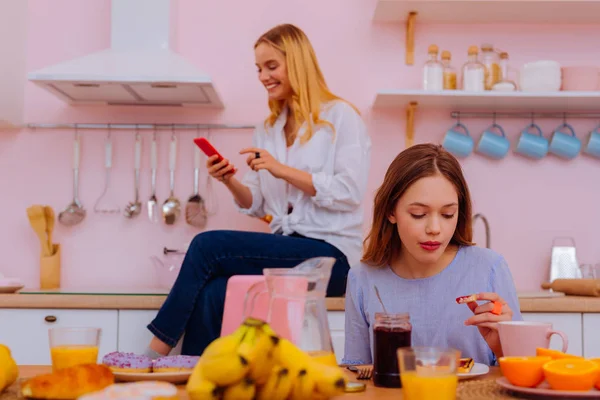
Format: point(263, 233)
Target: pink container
point(581, 78)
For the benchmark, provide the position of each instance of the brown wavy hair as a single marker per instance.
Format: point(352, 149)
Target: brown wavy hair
point(309, 89)
point(383, 244)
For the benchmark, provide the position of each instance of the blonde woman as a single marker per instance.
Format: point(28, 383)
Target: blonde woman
point(309, 164)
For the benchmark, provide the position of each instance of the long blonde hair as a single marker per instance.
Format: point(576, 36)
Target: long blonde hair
point(309, 90)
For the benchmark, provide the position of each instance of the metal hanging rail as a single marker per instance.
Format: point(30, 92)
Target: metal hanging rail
point(130, 126)
point(524, 115)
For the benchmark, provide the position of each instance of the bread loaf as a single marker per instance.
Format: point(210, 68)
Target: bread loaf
point(68, 383)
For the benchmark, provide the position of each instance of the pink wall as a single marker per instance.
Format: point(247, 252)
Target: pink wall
point(13, 36)
point(527, 203)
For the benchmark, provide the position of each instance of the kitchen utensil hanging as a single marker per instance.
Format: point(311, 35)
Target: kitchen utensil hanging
point(105, 204)
point(171, 207)
point(195, 209)
point(564, 263)
point(153, 211)
point(135, 207)
point(74, 213)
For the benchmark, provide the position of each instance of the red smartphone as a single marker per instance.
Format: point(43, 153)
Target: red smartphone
point(208, 149)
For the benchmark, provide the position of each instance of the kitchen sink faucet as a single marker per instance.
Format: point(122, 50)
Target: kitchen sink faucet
point(487, 228)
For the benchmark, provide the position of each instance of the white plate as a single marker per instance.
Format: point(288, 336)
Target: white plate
point(477, 370)
point(11, 288)
point(171, 377)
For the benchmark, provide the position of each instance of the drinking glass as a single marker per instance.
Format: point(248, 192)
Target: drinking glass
point(428, 373)
point(73, 346)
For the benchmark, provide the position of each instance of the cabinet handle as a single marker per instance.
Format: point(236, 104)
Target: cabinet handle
point(50, 318)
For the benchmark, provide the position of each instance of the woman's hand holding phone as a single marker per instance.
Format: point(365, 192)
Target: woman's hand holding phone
point(220, 170)
point(218, 167)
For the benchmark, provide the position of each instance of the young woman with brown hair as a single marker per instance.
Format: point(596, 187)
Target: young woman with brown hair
point(420, 256)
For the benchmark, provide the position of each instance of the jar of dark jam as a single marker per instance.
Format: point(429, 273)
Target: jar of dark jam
point(390, 332)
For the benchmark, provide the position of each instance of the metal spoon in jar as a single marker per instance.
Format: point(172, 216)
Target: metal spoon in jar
point(379, 297)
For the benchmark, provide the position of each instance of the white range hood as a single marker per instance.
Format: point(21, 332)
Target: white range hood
point(138, 69)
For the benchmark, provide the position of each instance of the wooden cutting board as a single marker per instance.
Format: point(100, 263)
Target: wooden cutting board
point(575, 287)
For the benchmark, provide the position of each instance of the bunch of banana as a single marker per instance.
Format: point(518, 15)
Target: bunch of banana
point(8, 368)
point(254, 363)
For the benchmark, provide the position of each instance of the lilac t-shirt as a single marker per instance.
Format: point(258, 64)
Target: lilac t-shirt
point(436, 318)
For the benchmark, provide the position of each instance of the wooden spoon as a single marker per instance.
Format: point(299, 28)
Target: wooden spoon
point(37, 219)
point(50, 218)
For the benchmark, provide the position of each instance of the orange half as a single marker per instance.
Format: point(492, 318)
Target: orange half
point(523, 371)
point(597, 361)
point(555, 354)
point(571, 374)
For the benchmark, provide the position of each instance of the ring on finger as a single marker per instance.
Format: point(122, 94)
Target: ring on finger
point(497, 310)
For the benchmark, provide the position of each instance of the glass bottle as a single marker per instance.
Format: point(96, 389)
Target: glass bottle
point(505, 85)
point(473, 72)
point(433, 71)
point(390, 332)
point(489, 59)
point(449, 71)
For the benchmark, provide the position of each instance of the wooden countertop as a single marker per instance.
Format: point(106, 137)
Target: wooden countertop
point(372, 392)
point(565, 304)
point(143, 301)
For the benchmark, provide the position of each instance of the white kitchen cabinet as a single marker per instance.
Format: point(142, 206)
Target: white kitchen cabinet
point(568, 323)
point(25, 331)
point(133, 335)
point(591, 335)
point(13, 47)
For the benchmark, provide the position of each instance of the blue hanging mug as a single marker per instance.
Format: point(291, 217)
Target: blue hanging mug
point(532, 145)
point(458, 143)
point(593, 143)
point(492, 144)
point(565, 145)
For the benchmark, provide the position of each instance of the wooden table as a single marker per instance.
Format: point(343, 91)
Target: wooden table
point(372, 392)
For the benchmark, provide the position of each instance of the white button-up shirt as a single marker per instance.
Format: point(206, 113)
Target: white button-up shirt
point(339, 164)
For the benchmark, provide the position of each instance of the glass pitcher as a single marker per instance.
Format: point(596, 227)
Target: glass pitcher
point(295, 308)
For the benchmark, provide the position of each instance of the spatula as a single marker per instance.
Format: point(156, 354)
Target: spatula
point(195, 211)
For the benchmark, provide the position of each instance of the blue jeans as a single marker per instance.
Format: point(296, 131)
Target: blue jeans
point(196, 301)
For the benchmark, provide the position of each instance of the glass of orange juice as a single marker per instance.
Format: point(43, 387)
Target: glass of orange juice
point(324, 357)
point(73, 346)
point(428, 373)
